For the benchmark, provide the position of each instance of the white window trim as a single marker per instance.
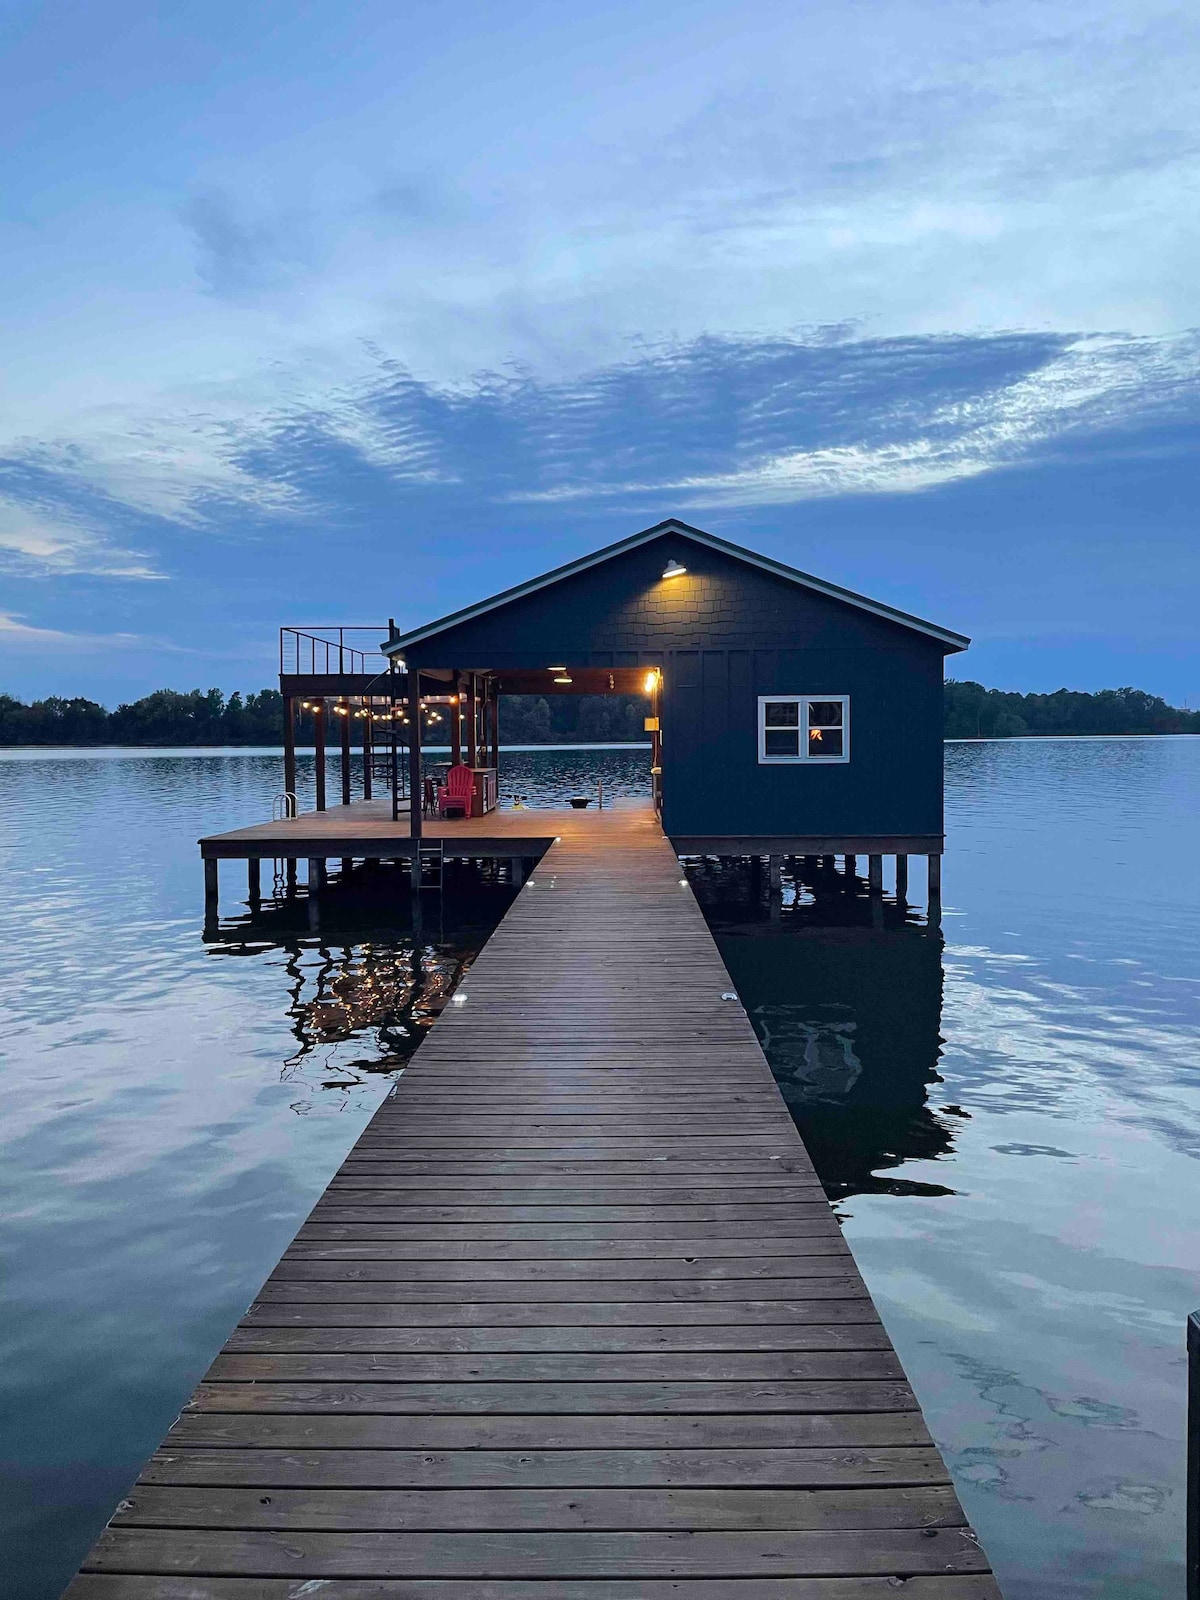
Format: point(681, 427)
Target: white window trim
point(803, 758)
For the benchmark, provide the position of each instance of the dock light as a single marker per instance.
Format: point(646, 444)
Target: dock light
point(562, 678)
point(556, 669)
point(651, 682)
point(674, 569)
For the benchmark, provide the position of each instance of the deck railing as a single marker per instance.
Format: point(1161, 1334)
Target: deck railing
point(325, 649)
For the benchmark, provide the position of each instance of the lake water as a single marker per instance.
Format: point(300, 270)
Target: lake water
point(1010, 1122)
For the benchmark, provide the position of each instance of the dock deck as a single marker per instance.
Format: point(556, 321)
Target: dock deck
point(365, 828)
point(574, 1321)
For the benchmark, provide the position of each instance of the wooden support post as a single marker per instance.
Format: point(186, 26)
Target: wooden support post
point(472, 723)
point(344, 719)
point(393, 733)
point(901, 879)
point(211, 888)
point(319, 750)
point(367, 753)
point(289, 746)
point(316, 875)
point(875, 874)
point(775, 873)
point(827, 863)
point(516, 868)
point(494, 726)
point(254, 880)
point(851, 866)
point(809, 867)
point(933, 913)
point(456, 722)
point(1193, 1457)
point(290, 878)
point(416, 793)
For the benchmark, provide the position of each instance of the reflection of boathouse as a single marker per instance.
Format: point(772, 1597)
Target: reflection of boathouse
point(845, 995)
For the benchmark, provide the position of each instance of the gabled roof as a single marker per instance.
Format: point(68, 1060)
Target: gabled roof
point(954, 641)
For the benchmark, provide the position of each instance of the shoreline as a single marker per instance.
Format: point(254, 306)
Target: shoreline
point(332, 751)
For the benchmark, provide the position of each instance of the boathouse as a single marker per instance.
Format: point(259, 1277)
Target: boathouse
point(789, 716)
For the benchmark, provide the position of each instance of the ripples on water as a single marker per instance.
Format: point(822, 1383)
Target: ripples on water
point(1010, 1125)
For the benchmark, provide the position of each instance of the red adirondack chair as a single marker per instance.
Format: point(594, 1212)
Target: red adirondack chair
point(457, 792)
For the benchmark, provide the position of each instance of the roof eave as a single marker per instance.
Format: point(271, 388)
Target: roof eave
point(954, 642)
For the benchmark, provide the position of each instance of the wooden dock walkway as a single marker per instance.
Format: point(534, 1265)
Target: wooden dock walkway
point(573, 1321)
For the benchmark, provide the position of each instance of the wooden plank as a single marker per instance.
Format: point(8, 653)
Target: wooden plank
point(484, 1235)
point(376, 1366)
point(540, 1554)
point(556, 1399)
point(293, 1430)
point(852, 1305)
point(821, 1280)
point(573, 1321)
point(797, 1242)
point(737, 1336)
point(111, 1586)
point(562, 1510)
point(814, 1468)
point(368, 1203)
point(812, 1257)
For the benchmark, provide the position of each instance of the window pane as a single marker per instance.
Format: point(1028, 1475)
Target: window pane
point(781, 714)
point(781, 741)
point(825, 714)
point(825, 741)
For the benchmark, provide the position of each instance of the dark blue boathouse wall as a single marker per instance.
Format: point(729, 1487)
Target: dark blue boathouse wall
point(724, 633)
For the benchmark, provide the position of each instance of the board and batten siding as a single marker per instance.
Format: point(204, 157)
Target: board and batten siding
point(723, 634)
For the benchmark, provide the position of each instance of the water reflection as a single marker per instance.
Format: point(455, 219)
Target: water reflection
point(364, 989)
point(845, 994)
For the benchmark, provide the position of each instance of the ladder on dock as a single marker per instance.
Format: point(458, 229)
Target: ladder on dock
point(431, 853)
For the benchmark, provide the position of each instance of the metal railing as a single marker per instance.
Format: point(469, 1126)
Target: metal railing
point(326, 649)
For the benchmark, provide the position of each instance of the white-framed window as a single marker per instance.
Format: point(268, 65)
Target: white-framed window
point(803, 727)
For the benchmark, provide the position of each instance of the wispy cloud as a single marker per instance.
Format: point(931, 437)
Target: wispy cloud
point(16, 633)
point(38, 542)
point(729, 421)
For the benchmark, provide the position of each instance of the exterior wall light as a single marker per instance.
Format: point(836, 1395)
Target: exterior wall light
point(674, 569)
point(651, 682)
point(562, 678)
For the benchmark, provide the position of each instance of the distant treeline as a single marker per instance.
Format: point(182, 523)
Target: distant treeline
point(973, 712)
point(208, 717)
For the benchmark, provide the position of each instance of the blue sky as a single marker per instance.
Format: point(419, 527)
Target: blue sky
point(317, 312)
